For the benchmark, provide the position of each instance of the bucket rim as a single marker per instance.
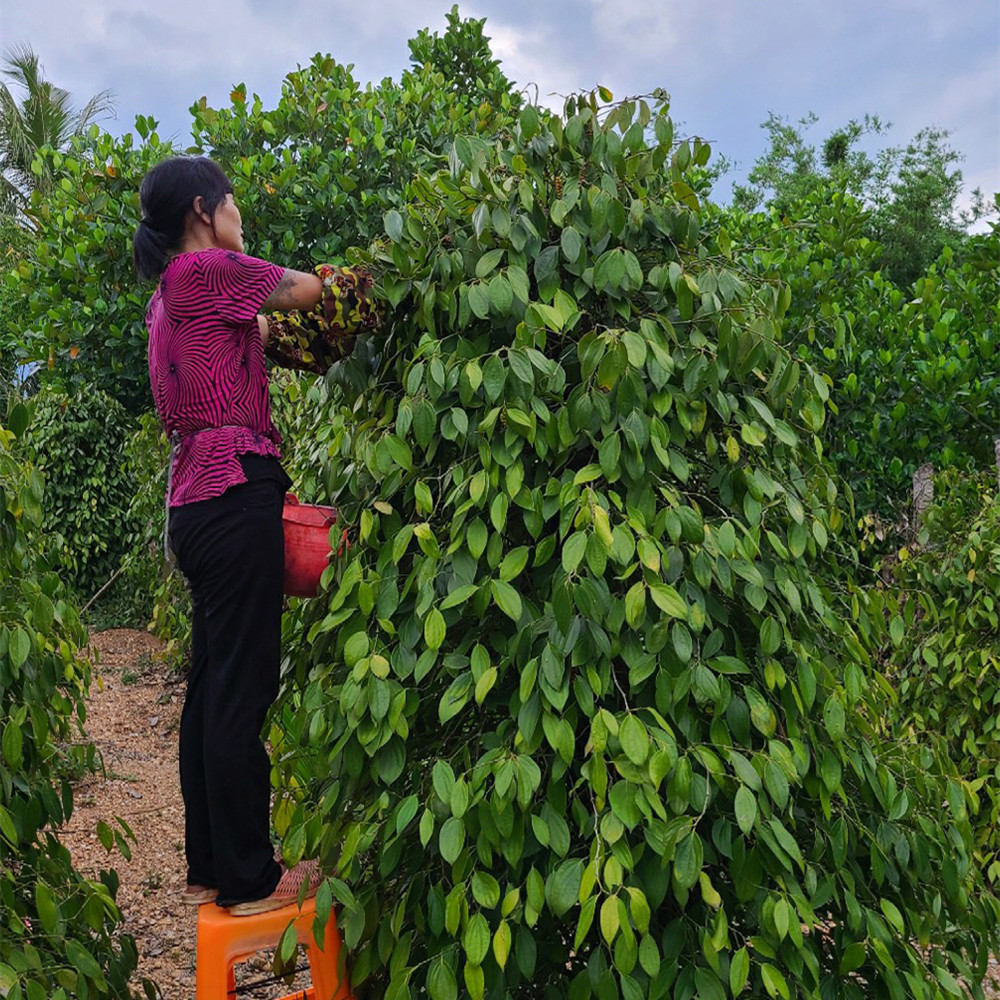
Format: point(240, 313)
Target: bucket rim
point(310, 514)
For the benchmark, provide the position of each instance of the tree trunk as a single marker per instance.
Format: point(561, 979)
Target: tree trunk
point(923, 492)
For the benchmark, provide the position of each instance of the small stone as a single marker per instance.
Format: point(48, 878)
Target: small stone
point(154, 720)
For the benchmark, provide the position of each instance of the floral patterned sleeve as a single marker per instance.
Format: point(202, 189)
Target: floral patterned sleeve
point(312, 341)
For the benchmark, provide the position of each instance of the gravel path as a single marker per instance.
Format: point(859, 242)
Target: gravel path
point(133, 717)
point(991, 985)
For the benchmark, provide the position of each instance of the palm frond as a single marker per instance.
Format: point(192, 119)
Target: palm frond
point(35, 113)
point(101, 105)
point(12, 199)
point(21, 65)
point(48, 116)
point(16, 147)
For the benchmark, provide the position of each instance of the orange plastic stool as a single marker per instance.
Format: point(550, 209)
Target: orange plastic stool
point(224, 940)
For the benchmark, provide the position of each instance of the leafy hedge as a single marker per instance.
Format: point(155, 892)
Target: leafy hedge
point(946, 660)
point(912, 370)
point(153, 596)
point(590, 711)
point(78, 442)
point(58, 930)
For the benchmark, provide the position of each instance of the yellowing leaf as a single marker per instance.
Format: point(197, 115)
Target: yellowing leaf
point(610, 921)
point(501, 944)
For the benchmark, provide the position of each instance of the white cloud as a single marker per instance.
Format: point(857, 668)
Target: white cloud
point(726, 63)
point(637, 28)
point(971, 95)
point(526, 57)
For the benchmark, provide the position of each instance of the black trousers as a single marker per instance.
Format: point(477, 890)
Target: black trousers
point(231, 549)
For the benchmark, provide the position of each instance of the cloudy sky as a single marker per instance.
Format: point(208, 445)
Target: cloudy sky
point(726, 63)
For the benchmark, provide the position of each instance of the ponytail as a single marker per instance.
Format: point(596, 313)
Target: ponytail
point(167, 196)
point(150, 251)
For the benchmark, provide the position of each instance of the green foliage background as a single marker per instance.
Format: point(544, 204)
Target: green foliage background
point(603, 701)
point(912, 370)
point(58, 936)
point(946, 658)
point(910, 193)
point(78, 442)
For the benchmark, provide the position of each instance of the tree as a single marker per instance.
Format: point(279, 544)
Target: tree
point(792, 169)
point(42, 115)
point(912, 371)
point(911, 193)
point(918, 216)
point(463, 55)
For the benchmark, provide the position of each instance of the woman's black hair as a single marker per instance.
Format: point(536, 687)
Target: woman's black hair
point(167, 195)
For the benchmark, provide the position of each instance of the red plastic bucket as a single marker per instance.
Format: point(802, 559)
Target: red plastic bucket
point(307, 544)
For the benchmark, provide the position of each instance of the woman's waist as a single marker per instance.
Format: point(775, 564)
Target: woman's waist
point(214, 467)
point(189, 442)
point(225, 431)
point(206, 446)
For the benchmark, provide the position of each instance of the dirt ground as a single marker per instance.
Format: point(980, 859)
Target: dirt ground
point(133, 718)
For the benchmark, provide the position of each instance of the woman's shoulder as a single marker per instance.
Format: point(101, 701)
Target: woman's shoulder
point(197, 272)
point(220, 258)
point(182, 267)
point(195, 261)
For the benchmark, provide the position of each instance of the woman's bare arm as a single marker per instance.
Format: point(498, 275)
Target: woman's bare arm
point(265, 332)
point(295, 290)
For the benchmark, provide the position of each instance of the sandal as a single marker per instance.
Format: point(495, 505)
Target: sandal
point(305, 873)
point(197, 895)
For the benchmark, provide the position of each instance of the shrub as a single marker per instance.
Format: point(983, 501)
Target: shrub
point(59, 930)
point(589, 710)
point(78, 443)
point(912, 371)
point(946, 656)
point(159, 599)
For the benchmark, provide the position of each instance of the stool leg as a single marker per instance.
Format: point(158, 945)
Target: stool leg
point(327, 982)
point(214, 976)
point(213, 980)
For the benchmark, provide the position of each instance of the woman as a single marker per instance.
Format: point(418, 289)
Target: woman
point(225, 498)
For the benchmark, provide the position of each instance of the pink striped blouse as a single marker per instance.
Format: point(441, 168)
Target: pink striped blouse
point(206, 367)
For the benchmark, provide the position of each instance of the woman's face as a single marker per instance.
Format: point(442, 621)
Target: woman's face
point(229, 225)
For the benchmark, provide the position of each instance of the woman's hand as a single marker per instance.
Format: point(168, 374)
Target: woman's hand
point(265, 330)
